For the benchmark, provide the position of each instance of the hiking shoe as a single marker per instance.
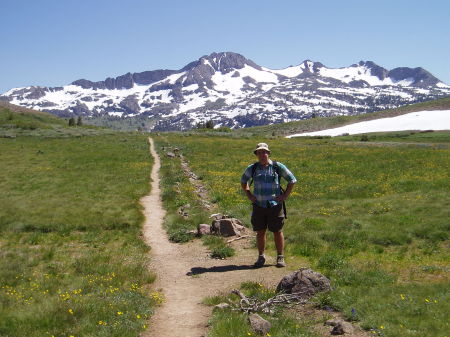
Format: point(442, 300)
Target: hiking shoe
point(260, 262)
point(280, 261)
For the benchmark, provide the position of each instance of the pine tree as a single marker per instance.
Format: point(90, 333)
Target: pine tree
point(79, 121)
point(72, 121)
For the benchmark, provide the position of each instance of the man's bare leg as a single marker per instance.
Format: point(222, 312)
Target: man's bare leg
point(278, 237)
point(261, 241)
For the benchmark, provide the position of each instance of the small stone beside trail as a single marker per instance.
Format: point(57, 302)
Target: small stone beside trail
point(340, 327)
point(259, 324)
point(305, 282)
point(203, 229)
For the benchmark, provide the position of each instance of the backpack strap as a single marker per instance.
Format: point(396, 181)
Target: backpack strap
point(277, 170)
point(254, 167)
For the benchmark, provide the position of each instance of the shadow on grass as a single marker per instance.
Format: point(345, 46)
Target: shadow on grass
point(222, 269)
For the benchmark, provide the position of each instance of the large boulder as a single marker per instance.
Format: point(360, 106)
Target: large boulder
point(227, 227)
point(305, 282)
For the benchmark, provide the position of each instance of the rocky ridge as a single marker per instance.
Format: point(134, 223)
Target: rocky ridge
point(234, 91)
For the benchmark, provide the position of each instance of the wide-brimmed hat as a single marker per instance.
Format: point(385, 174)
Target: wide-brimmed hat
point(262, 146)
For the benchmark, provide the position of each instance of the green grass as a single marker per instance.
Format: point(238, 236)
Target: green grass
point(372, 218)
point(219, 249)
point(73, 261)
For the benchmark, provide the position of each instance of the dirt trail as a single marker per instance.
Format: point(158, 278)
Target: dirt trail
point(186, 274)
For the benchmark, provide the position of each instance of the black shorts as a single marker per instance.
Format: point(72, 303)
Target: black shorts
point(271, 218)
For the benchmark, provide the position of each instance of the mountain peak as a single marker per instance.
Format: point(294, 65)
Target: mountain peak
point(375, 69)
point(223, 62)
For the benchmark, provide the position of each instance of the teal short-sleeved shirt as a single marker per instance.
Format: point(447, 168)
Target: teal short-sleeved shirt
point(266, 182)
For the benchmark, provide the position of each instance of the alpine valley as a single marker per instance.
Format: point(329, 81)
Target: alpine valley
point(233, 91)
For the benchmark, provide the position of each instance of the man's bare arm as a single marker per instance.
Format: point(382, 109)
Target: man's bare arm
point(248, 193)
point(286, 193)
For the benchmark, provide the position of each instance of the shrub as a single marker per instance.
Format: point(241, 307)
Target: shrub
point(222, 252)
point(180, 235)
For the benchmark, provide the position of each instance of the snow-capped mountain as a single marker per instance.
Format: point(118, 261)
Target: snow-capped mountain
point(234, 91)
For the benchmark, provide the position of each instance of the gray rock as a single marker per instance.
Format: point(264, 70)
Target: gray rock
point(342, 328)
point(170, 154)
point(305, 281)
point(222, 306)
point(259, 324)
point(224, 227)
point(333, 322)
point(203, 229)
point(130, 104)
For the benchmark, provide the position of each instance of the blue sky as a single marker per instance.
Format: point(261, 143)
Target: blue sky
point(52, 43)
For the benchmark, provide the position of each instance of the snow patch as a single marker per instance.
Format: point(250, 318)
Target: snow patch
point(289, 71)
point(421, 120)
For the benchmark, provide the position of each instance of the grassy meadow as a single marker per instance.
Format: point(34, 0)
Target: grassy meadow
point(372, 218)
point(72, 257)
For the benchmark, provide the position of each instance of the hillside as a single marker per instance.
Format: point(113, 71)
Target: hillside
point(16, 120)
point(323, 123)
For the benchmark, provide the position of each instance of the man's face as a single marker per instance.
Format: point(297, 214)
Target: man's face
point(263, 156)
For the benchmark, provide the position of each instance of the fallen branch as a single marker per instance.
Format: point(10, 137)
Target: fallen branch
point(248, 304)
point(241, 295)
point(241, 237)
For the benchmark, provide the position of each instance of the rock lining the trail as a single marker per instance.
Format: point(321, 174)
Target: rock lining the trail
point(200, 189)
point(305, 281)
point(227, 227)
point(340, 327)
point(259, 324)
point(222, 225)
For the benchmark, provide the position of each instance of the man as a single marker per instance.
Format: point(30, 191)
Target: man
point(267, 200)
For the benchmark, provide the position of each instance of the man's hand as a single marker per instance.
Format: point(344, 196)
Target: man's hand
point(284, 196)
point(251, 197)
point(280, 198)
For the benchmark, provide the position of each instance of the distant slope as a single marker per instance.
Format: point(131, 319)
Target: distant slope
point(14, 116)
point(323, 123)
point(16, 120)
